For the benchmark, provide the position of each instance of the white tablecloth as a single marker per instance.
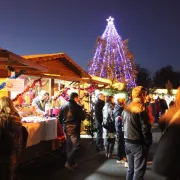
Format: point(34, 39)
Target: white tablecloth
point(41, 131)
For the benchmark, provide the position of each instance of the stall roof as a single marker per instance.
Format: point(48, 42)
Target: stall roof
point(60, 66)
point(99, 80)
point(8, 58)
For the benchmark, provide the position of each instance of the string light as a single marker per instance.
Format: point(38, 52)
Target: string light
point(109, 60)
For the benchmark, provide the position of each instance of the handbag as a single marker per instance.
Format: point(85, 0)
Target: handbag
point(109, 124)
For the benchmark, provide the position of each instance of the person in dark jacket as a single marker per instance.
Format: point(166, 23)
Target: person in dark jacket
point(98, 120)
point(109, 126)
point(166, 161)
point(163, 105)
point(70, 117)
point(137, 134)
point(118, 109)
point(172, 102)
point(10, 138)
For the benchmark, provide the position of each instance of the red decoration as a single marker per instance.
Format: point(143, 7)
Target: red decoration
point(62, 93)
point(40, 83)
point(27, 88)
point(91, 88)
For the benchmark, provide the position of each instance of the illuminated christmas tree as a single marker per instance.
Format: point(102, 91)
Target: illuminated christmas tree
point(112, 58)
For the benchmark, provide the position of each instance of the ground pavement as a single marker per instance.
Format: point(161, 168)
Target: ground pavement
point(92, 166)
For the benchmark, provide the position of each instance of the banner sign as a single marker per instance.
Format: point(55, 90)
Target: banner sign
point(15, 85)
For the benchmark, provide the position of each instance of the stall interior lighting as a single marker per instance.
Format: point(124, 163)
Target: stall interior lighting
point(57, 75)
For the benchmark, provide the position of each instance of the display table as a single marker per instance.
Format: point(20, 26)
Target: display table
point(41, 131)
point(44, 136)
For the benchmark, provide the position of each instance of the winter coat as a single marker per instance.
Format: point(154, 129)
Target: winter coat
point(71, 113)
point(137, 128)
point(98, 111)
point(108, 118)
point(10, 136)
point(163, 105)
point(167, 159)
point(118, 109)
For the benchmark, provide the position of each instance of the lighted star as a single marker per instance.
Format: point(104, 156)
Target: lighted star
point(110, 20)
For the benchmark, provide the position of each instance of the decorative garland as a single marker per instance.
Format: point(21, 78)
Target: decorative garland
point(3, 85)
point(28, 87)
point(91, 88)
point(62, 93)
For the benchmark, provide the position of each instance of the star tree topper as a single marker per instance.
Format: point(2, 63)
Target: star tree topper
point(110, 20)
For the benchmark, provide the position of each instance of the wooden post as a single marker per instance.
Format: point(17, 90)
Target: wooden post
point(9, 75)
point(51, 87)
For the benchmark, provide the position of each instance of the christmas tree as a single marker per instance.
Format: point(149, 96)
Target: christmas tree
point(112, 58)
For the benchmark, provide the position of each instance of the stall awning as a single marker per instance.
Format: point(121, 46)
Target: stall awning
point(8, 58)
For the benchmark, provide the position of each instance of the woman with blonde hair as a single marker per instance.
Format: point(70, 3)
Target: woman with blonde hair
point(167, 160)
point(10, 138)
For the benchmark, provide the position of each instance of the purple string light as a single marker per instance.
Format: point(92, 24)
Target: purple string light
point(109, 60)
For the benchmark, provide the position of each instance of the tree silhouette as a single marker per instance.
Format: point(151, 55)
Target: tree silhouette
point(169, 87)
point(165, 74)
point(143, 77)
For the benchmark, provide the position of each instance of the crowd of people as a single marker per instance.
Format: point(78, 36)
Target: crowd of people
point(133, 121)
point(127, 123)
point(130, 125)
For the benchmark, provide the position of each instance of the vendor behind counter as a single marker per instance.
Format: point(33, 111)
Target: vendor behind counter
point(41, 101)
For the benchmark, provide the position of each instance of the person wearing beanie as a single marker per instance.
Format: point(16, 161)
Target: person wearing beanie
point(137, 134)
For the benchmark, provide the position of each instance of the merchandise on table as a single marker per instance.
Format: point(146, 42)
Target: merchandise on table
point(34, 119)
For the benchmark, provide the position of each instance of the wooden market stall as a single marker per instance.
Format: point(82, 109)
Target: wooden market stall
point(60, 67)
point(54, 69)
point(9, 59)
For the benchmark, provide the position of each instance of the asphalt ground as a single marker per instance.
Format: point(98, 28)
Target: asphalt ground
point(92, 165)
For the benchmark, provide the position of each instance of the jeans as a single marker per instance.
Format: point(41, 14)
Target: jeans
point(120, 147)
point(137, 161)
point(99, 139)
point(109, 145)
point(72, 143)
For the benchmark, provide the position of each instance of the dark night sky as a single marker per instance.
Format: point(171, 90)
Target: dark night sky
point(72, 26)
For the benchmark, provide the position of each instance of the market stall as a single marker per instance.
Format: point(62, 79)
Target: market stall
point(12, 66)
point(43, 133)
point(57, 74)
